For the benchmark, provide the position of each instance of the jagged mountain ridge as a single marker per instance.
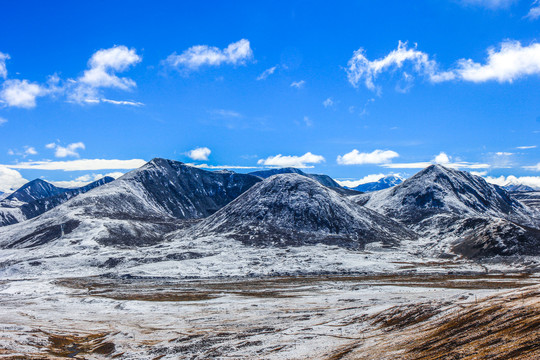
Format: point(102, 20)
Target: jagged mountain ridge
point(437, 190)
point(517, 188)
point(291, 210)
point(14, 210)
point(136, 209)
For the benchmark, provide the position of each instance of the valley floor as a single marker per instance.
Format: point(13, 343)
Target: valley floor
point(411, 316)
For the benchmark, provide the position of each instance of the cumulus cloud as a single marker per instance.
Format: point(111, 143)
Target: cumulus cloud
point(362, 70)
point(534, 11)
point(102, 71)
point(21, 93)
point(237, 53)
point(298, 84)
point(200, 153)
point(508, 62)
point(375, 157)
point(10, 180)
point(442, 158)
point(65, 151)
point(532, 181)
point(292, 161)
point(266, 73)
point(79, 165)
point(3, 68)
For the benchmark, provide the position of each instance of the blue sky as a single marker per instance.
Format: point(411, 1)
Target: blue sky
point(349, 89)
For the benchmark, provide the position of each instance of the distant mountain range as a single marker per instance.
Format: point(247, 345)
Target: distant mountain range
point(381, 184)
point(439, 211)
point(38, 196)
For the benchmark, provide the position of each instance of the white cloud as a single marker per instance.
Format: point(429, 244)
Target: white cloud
point(298, 84)
point(360, 69)
point(328, 102)
point(21, 93)
point(226, 113)
point(200, 153)
point(266, 73)
point(533, 167)
point(101, 74)
point(534, 12)
point(442, 158)
point(3, 121)
point(491, 4)
point(3, 68)
point(122, 102)
point(375, 157)
point(308, 121)
point(502, 153)
point(507, 63)
point(526, 147)
point(237, 53)
point(28, 150)
point(214, 167)
point(292, 161)
point(10, 179)
point(79, 165)
point(366, 179)
point(69, 150)
point(532, 181)
point(85, 180)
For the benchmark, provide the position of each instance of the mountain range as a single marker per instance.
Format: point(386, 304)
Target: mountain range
point(381, 184)
point(444, 211)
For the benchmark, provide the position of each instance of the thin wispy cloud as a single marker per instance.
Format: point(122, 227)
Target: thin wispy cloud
point(225, 113)
point(27, 151)
point(79, 165)
point(356, 157)
point(3, 121)
point(533, 167)
point(266, 73)
point(298, 84)
point(303, 161)
point(237, 53)
point(526, 147)
point(490, 4)
point(3, 68)
point(443, 159)
point(328, 102)
point(534, 11)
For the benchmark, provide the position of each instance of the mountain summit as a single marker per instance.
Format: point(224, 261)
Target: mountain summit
point(291, 209)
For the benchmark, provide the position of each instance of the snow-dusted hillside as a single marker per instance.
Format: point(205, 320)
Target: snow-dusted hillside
point(291, 209)
point(136, 209)
point(14, 210)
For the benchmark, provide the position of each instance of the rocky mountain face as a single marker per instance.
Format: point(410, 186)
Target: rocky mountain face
point(322, 179)
point(35, 190)
point(136, 209)
point(34, 198)
point(517, 188)
point(452, 205)
point(292, 210)
point(529, 198)
point(381, 184)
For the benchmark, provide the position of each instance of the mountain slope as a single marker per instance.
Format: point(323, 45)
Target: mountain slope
point(35, 190)
point(529, 198)
point(461, 212)
point(291, 209)
point(15, 211)
point(322, 179)
point(383, 183)
point(136, 209)
point(439, 190)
